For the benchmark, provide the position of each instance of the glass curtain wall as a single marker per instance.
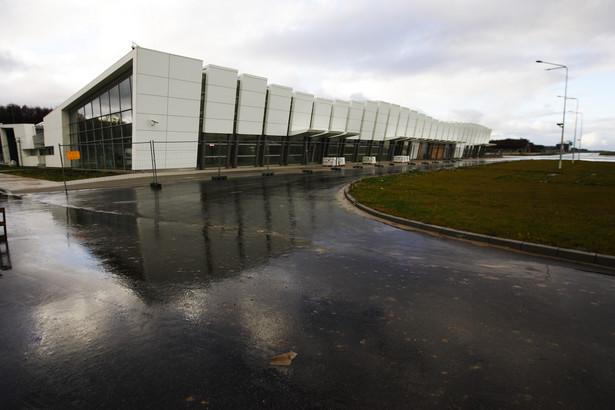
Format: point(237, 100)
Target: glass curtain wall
point(101, 129)
point(296, 150)
point(349, 150)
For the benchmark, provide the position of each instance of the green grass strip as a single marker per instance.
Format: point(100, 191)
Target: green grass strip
point(53, 174)
point(524, 200)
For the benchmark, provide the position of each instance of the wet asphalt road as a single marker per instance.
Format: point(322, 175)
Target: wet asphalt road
point(135, 298)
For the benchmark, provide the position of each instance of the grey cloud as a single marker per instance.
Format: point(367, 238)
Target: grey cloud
point(9, 63)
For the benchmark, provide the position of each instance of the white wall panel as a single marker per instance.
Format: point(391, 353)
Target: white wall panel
point(381, 120)
point(321, 114)
point(252, 98)
point(355, 116)
point(143, 125)
point(220, 95)
point(412, 124)
point(183, 108)
point(339, 116)
point(392, 121)
point(185, 69)
point(278, 110)
point(369, 120)
point(402, 125)
point(152, 62)
point(152, 85)
point(152, 104)
point(300, 113)
point(182, 124)
point(220, 111)
point(426, 134)
point(251, 104)
point(185, 89)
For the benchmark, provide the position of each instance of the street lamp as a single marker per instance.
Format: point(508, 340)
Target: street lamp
point(561, 146)
point(580, 136)
point(576, 118)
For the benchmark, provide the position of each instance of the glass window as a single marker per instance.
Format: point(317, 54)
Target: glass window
point(114, 97)
point(127, 117)
point(96, 107)
point(97, 124)
point(104, 104)
point(127, 131)
point(88, 111)
point(125, 94)
point(102, 128)
point(117, 132)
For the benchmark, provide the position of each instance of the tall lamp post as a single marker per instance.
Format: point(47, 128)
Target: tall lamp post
point(580, 136)
point(576, 119)
point(558, 66)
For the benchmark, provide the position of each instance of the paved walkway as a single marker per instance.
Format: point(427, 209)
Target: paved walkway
point(13, 184)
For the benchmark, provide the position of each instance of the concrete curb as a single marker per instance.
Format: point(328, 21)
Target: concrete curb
point(607, 261)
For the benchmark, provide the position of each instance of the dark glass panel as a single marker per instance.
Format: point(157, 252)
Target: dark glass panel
point(96, 107)
point(125, 95)
point(127, 117)
point(109, 159)
point(88, 111)
point(105, 121)
point(97, 123)
point(127, 130)
point(114, 98)
point(104, 104)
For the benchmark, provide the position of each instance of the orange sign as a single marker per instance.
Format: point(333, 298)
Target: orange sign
point(73, 155)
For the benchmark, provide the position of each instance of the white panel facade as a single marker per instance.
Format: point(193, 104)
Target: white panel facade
point(369, 120)
point(426, 134)
point(381, 120)
point(278, 110)
point(300, 113)
point(402, 125)
point(166, 103)
point(393, 120)
point(433, 133)
point(411, 130)
point(355, 116)
point(251, 104)
point(339, 116)
point(321, 114)
point(219, 104)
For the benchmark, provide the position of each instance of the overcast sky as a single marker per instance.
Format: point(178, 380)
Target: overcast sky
point(469, 61)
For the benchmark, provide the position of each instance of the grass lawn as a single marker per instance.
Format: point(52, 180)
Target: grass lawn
point(52, 174)
point(525, 200)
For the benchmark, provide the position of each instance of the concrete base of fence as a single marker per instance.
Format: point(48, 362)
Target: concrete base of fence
point(534, 248)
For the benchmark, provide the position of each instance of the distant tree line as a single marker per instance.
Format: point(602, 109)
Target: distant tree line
point(14, 114)
point(515, 145)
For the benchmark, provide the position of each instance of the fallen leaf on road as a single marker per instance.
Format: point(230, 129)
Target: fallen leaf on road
point(283, 359)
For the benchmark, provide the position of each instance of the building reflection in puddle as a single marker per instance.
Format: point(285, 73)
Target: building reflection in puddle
point(181, 237)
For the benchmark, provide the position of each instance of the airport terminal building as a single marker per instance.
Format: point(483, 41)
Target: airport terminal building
point(187, 115)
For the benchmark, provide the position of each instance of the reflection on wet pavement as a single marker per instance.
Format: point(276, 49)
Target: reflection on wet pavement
point(180, 298)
